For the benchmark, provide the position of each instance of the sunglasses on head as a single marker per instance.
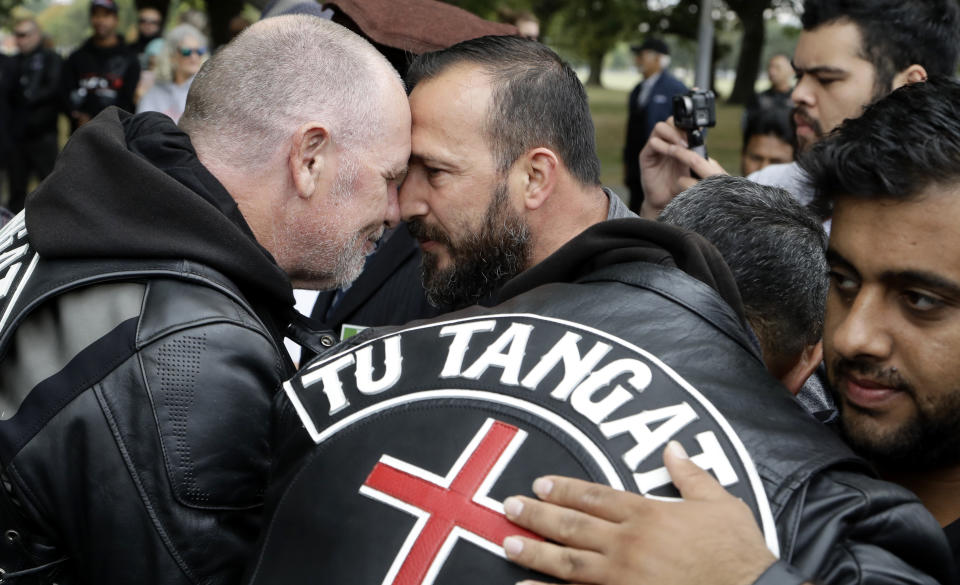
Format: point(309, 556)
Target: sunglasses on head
point(187, 52)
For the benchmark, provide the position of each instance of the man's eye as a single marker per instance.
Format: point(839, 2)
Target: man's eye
point(921, 302)
point(843, 283)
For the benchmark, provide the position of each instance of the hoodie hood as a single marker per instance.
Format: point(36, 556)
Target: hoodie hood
point(622, 241)
point(132, 187)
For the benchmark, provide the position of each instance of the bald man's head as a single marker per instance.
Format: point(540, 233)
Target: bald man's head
point(280, 73)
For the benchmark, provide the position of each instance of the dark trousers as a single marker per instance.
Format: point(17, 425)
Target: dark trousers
point(31, 157)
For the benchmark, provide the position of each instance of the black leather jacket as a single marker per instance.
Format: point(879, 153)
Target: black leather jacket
point(140, 349)
point(833, 521)
point(133, 433)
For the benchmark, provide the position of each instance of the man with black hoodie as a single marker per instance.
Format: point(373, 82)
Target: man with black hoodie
point(607, 340)
point(146, 292)
point(103, 72)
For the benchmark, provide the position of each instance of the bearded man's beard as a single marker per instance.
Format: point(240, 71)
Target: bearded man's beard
point(480, 262)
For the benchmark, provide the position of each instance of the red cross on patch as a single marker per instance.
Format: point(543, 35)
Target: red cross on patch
point(448, 508)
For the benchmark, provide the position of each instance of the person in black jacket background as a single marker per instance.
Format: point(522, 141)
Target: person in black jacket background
point(6, 91)
point(36, 109)
point(103, 72)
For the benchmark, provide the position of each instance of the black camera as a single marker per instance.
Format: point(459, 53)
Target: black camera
point(694, 111)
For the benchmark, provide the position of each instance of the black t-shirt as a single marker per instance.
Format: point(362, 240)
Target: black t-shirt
point(953, 537)
point(95, 78)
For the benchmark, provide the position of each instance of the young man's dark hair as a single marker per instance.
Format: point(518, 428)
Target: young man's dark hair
point(769, 122)
point(768, 139)
point(775, 249)
point(525, 114)
point(890, 152)
point(895, 33)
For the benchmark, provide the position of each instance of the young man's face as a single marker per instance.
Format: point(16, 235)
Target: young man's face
point(454, 199)
point(892, 327)
point(763, 150)
point(103, 22)
point(834, 81)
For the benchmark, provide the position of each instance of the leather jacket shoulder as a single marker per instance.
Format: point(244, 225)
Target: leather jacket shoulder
point(134, 400)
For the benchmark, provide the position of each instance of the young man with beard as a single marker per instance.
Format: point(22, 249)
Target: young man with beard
point(891, 329)
point(394, 452)
point(892, 322)
point(525, 156)
point(849, 55)
point(146, 292)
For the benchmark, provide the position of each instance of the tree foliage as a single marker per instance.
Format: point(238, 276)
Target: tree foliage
point(752, 15)
point(595, 26)
point(591, 28)
point(584, 29)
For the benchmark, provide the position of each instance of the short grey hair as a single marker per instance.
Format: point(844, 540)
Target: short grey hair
point(776, 249)
point(277, 74)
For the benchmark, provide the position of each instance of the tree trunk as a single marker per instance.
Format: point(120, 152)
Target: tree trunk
point(751, 53)
point(595, 61)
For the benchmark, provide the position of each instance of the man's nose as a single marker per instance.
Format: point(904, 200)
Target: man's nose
point(861, 330)
point(802, 93)
point(410, 198)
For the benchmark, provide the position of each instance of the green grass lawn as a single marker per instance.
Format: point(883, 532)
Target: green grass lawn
point(609, 109)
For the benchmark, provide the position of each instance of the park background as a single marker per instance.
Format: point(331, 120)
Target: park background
point(593, 35)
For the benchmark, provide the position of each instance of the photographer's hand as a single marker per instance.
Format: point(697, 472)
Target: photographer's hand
point(665, 165)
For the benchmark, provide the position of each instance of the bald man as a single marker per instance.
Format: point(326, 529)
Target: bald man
point(146, 291)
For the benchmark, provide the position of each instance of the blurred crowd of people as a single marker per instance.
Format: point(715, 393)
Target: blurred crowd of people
point(151, 73)
point(509, 373)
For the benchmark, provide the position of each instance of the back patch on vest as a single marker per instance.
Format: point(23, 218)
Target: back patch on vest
point(17, 261)
point(418, 437)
